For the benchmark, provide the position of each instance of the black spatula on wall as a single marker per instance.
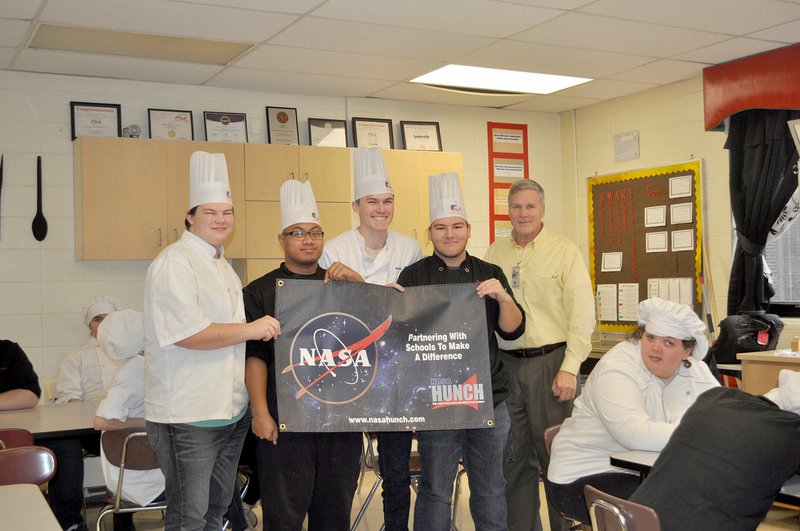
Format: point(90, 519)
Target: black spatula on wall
point(39, 224)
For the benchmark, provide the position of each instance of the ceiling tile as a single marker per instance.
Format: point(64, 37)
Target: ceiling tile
point(286, 59)
point(288, 82)
point(471, 17)
point(734, 17)
point(420, 93)
point(787, 33)
point(114, 67)
point(604, 89)
point(12, 32)
point(580, 30)
point(662, 72)
point(21, 9)
point(154, 16)
point(558, 4)
point(532, 57)
point(728, 50)
point(553, 104)
point(6, 54)
point(297, 7)
point(379, 40)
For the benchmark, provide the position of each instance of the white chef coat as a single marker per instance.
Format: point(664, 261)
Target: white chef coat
point(186, 290)
point(86, 373)
point(350, 249)
point(126, 399)
point(623, 406)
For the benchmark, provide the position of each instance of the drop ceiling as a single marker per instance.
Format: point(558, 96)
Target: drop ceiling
point(372, 48)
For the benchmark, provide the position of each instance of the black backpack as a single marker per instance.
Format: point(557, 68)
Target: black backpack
point(740, 333)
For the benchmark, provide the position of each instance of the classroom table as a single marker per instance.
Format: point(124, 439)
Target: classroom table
point(51, 421)
point(23, 506)
point(642, 462)
point(760, 369)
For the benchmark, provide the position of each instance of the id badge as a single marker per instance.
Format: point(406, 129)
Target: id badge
point(515, 281)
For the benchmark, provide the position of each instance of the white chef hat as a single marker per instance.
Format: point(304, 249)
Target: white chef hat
point(121, 334)
point(445, 196)
point(787, 394)
point(670, 319)
point(298, 204)
point(370, 173)
point(208, 179)
point(99, 305)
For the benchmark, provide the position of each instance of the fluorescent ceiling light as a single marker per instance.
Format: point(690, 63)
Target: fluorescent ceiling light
point(110, 42)
point(491, 80)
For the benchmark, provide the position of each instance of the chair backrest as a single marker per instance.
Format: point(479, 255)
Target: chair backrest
point(15, 438)
point(550, 434)
point(28, 464)
point(609, 513)
point(129, 449)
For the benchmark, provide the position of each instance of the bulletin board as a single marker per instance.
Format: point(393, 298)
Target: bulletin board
point(645, 240)
point(508, 162)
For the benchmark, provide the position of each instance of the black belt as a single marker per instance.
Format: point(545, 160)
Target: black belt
point(536, 352)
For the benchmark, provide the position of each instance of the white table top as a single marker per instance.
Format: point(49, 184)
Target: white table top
point(24, 507)
point(52, 420)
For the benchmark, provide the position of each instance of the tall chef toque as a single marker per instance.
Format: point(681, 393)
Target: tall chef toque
point(100, 305)
point(665, 318)
point(445, 196)
point(370, 174)
point(208, 179)
point(298, 204)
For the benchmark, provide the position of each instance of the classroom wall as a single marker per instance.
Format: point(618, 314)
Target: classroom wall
point(42, 287)
point(670, 124)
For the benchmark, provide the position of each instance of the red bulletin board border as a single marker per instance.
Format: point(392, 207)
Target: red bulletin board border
point(491, 127)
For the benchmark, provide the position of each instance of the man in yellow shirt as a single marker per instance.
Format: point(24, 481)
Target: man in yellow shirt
point(550, 281)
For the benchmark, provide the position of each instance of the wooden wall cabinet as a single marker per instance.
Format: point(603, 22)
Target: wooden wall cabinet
point(131, 195)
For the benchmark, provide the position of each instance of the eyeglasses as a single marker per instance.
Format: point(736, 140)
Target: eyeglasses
point(300, 234)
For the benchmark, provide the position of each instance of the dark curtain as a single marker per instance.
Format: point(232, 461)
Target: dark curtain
point(762, 155)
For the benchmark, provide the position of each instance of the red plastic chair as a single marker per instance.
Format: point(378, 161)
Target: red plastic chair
point(29, 464)
point(15, 438)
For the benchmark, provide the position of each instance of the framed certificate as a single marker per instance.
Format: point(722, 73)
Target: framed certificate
point(170, 125)
point(324, 132)
point(95, 119)
point(373, 132)
point(225, 126)
point(421, 136)
point(282, 126)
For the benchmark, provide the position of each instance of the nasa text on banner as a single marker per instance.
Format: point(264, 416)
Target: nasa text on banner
point(361, 357)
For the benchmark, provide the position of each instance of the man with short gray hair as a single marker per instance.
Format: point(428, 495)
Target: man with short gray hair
point(550, 281)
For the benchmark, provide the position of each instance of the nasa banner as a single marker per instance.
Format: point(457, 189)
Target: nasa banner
point(362, 357)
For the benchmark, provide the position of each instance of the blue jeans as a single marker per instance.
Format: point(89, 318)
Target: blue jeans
point(482, 452)
point(394, 451)
point(199, 466)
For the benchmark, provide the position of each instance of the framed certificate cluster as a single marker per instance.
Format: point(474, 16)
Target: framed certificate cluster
point(95, 119)
point(373, 133)
point(225, 126)
point(166, 124)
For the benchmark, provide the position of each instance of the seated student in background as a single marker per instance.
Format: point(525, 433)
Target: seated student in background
point(727, 460)
point(19, 389)
point(86, 372)
point(633, 400)
point(121, 336)
point(19, 384)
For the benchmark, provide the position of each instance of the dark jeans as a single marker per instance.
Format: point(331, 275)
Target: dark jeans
point(394, 451)
point(309, 473)
point(65, 490)
point(570, 501)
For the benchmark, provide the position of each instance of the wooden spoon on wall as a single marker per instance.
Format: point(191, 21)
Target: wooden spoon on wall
point(39, 224)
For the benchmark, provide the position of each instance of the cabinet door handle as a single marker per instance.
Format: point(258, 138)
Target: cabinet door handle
point(176, 233)
point(291, 175)
point(159, 236)
point(415, 234)
point(305, 176)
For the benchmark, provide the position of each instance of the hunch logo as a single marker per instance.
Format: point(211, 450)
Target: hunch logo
point(334, 357)
point(469, 393)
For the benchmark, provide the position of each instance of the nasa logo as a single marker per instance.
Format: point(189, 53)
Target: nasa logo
point(334, 357)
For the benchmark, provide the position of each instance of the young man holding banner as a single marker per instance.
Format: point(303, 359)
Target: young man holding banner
point(379, 254)
point(481, 449)
point(299, 473)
